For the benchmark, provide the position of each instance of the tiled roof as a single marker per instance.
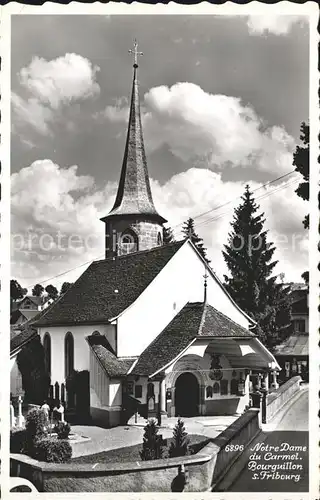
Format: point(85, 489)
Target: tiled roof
point(36, 300)
point(217, 324)
point(295, 345)
point(92, 298)
point(18, 340)
point(134, 193)
point(194, 320)
point(15, 315)
point(113, 366)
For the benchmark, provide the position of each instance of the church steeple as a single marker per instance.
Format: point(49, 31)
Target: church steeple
point(133, 214)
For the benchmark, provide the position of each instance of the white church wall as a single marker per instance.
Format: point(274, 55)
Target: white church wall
point(81, 348)
point(181, 281)
point(115, 393)
point(99, 384)
point(105, 396)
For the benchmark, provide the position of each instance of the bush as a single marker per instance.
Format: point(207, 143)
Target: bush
point(152, 447)
point(52, 450)
point(18, 439)
point(180, 443)
point(62, 429)
point(36, 427)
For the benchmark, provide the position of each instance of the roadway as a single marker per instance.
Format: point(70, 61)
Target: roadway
point(262, 474)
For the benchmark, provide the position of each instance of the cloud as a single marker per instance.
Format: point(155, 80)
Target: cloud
point(48, 200)
point(220, 129)
point(60, 80)
point(55, 220)
point(31, 111)
point(197, 191)
point(50, 86)
point(277, 25)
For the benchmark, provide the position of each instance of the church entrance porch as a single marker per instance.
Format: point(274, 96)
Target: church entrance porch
point(187, 395)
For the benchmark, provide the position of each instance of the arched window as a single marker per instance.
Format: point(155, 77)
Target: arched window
point(209, 391)
point(150, 390)
point(128, 242)
point(159, 239)
point(68, 354)
point(216, 388)
point(47, 352)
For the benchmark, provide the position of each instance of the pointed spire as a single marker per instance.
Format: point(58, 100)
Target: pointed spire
point(134, 193)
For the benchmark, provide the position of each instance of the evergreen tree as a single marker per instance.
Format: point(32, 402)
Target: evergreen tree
point(179, 445)
point(251, 283)
point(151, 447)
point(301, 162)
point(168, 235)
point(189, 232)
point(31, 364)
point(37, 290)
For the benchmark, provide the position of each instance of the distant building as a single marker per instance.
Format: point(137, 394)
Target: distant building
point(25, 310)
point(293, 354)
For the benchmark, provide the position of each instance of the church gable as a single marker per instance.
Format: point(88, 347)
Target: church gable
point(107, 288)
point(180, 281)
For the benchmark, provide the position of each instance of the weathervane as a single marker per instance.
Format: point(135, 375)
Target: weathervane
point(135, 53)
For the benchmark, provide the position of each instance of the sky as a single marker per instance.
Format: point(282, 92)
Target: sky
point(222, 101)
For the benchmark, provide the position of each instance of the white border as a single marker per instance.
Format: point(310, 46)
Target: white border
point(308, 9)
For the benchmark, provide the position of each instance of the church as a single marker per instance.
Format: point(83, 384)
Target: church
point(150, 323)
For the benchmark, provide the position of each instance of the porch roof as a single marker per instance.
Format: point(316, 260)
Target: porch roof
point(195, 320)
point(113, 366)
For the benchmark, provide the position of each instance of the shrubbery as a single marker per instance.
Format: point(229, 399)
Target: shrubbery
point(152, 447)
point(18, 438)
point(34, 439)
point(36, 427)
point(62, 429)
point(180, 443)
point(52, 450)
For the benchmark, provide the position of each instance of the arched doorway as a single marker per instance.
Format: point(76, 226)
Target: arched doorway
point(187, 395)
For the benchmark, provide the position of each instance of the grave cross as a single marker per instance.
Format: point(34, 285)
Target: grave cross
point(135, 53)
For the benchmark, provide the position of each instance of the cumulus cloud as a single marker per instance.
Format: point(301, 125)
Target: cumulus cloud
point(48, 200)
point(275, 24)
point(55, 220)
point(221, 129)
point(31, 111)
point(197, 191)
point(51, 85)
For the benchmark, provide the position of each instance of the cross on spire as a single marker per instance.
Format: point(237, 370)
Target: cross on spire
point(135, 53)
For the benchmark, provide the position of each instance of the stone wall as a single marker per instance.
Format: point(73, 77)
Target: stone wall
point(145, 232)
point(275, 400)
point(202, 471)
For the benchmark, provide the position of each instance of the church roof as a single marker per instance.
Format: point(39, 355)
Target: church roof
point(295, 345)
point(134, 195)
point(93, 298)
point(113, 366)
point(195, 320)
point(18, 340)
